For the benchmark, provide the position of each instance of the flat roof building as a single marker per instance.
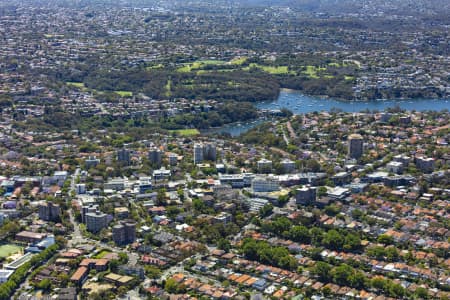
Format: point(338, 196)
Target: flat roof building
point(355, 146)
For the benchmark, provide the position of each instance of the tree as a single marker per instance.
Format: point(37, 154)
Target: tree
point(281, 225)
point(313, 165)
point(250, 249)
point(342, 274)
point(321, 191)
point(385, 239)
point(357, 214)
point(44, 284)
point(352, 242)
point(300, 234)
point(171, 286)
point(358, 280)
point(286, 112)
point(396, 290)
point(333, 240)
point(63, 278)
point(161, 197)
point(316, 235)
point(123, 258)
point(152, 272)
point(224, 244)
point(266, 210)
point(421, 293)
point(377, 252)
point(332, 210)
point(392, 253)
point(121, 291)
point(114, 265)
point(322, 271)
point(283, 199)
point(378, 283)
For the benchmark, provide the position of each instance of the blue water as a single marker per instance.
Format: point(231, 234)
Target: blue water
point(299, 103)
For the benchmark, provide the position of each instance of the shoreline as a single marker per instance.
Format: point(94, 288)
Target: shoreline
point(319, 97)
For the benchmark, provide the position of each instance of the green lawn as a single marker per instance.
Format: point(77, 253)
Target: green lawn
point(349, 77)
point(184, 69)
point(155, 67)
point(76, 84)
point(8, 249)
point(49, 36)
point(211, 62)
point(168, 88)
point(124, 93)
point(277, 70)
point(199, 64)
point(334, 64)
point(238, 61)
point(102, 254)
point(311, 71)
point(186, 132)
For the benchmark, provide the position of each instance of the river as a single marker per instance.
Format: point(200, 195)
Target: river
point(299, 103)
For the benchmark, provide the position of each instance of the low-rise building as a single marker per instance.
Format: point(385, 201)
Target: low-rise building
point(265, 184)
point(161, 174)
point(222, 218)
point(395, 167)
point(91, 162)
point(5, 274)
point(30, 237)
point(264, 165)
point(80, 276)
point(116, 184)
point(287, 165)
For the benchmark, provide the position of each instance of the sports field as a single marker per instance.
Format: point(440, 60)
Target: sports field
point(8, 249)
point(185, 132)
